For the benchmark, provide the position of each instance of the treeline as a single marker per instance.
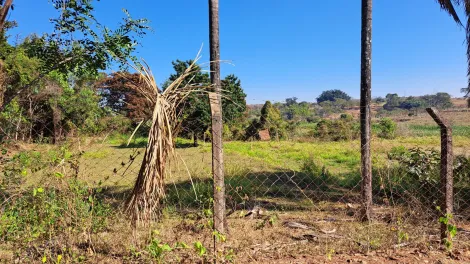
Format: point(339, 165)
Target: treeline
point(439, 100)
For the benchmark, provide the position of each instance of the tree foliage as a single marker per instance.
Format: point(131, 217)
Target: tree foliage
point(438, 100)
point(333, 95)
point(49, 79)
point(195, 113)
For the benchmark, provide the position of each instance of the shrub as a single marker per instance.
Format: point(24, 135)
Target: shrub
point(52, 213)
point(387, 128)
point(415, 173)
point(318, 174)
point(337, 130)
point(347, 117)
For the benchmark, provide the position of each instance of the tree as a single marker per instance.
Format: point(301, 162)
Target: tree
point(119, 93)
point(291, 101)
point(96, 48)
point(365, 111)
point(233, 100)
point(332, 95)
point(411, 103)
point(392, 101)
point(50, 77)
point(195, 117)
point(195, 113)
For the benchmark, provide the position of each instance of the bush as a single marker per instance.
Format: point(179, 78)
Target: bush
point(414, 173)
point(318, 174)
point(387, 128)
point(52, 213)
point(337, 130)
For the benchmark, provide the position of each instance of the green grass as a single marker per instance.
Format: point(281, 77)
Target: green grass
point(433, 130)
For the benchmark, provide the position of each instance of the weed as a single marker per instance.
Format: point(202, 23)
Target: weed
point(451, 229)
point(200, 249)
point(157, 249)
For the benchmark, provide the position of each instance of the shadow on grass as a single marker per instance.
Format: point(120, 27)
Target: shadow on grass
point(274, 190)
point(278, 190)
point(283, 190)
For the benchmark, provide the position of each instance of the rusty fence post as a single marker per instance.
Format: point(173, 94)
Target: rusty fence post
point(447, 177)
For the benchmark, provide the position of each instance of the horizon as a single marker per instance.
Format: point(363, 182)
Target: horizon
point(414, 45)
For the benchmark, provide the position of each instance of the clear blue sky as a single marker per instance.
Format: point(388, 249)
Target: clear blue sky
point(298, 48)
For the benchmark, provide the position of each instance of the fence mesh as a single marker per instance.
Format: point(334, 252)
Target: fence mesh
point(287, 194)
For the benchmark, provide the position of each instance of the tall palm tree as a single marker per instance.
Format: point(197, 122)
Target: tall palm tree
point(216, 109)
point(449, 7)
point(366, 85)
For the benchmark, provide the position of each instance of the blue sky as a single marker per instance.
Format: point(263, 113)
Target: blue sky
point(299, 48)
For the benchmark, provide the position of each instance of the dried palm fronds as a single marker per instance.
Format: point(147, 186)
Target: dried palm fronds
point(145, 201)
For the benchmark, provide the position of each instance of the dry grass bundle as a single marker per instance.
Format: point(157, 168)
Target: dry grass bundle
point(145, 201)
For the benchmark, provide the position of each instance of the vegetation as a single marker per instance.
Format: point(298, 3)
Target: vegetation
point(333, 95)
point(439, 100)
point(75, 139)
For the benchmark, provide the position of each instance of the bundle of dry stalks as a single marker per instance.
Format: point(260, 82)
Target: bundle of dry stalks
point(145, 201)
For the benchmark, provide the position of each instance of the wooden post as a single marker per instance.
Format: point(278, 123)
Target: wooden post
point(365, 112)
point(447, 177)
point(216, 111)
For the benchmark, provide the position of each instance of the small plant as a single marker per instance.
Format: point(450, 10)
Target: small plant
point(330, 253)
point(200, 249)
point(157, 249)
point(268, 220)
point(401, 234)
point(230, 256)
point(218, 236)
point(451, 229)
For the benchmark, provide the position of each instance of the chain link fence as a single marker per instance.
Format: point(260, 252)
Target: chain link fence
point(290, 191)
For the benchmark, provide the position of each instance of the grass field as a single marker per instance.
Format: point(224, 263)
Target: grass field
point(268, 174)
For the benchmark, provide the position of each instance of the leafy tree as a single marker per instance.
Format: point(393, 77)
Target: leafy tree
point(392, 101)
point(118, 92)
point(196, 116)
point(332, 95)
point(379, 100)
point(291, 101)
point(233, 100)
point(270, 119)
point(412, 103)
point(298, 111)
point(439, 100)
point(50, 77)
point(95, 49)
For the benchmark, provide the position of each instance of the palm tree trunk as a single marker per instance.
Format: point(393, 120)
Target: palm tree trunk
point(216, 109)
point(366, 85)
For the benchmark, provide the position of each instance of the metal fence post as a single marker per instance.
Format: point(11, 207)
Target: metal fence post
point(447, 177)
